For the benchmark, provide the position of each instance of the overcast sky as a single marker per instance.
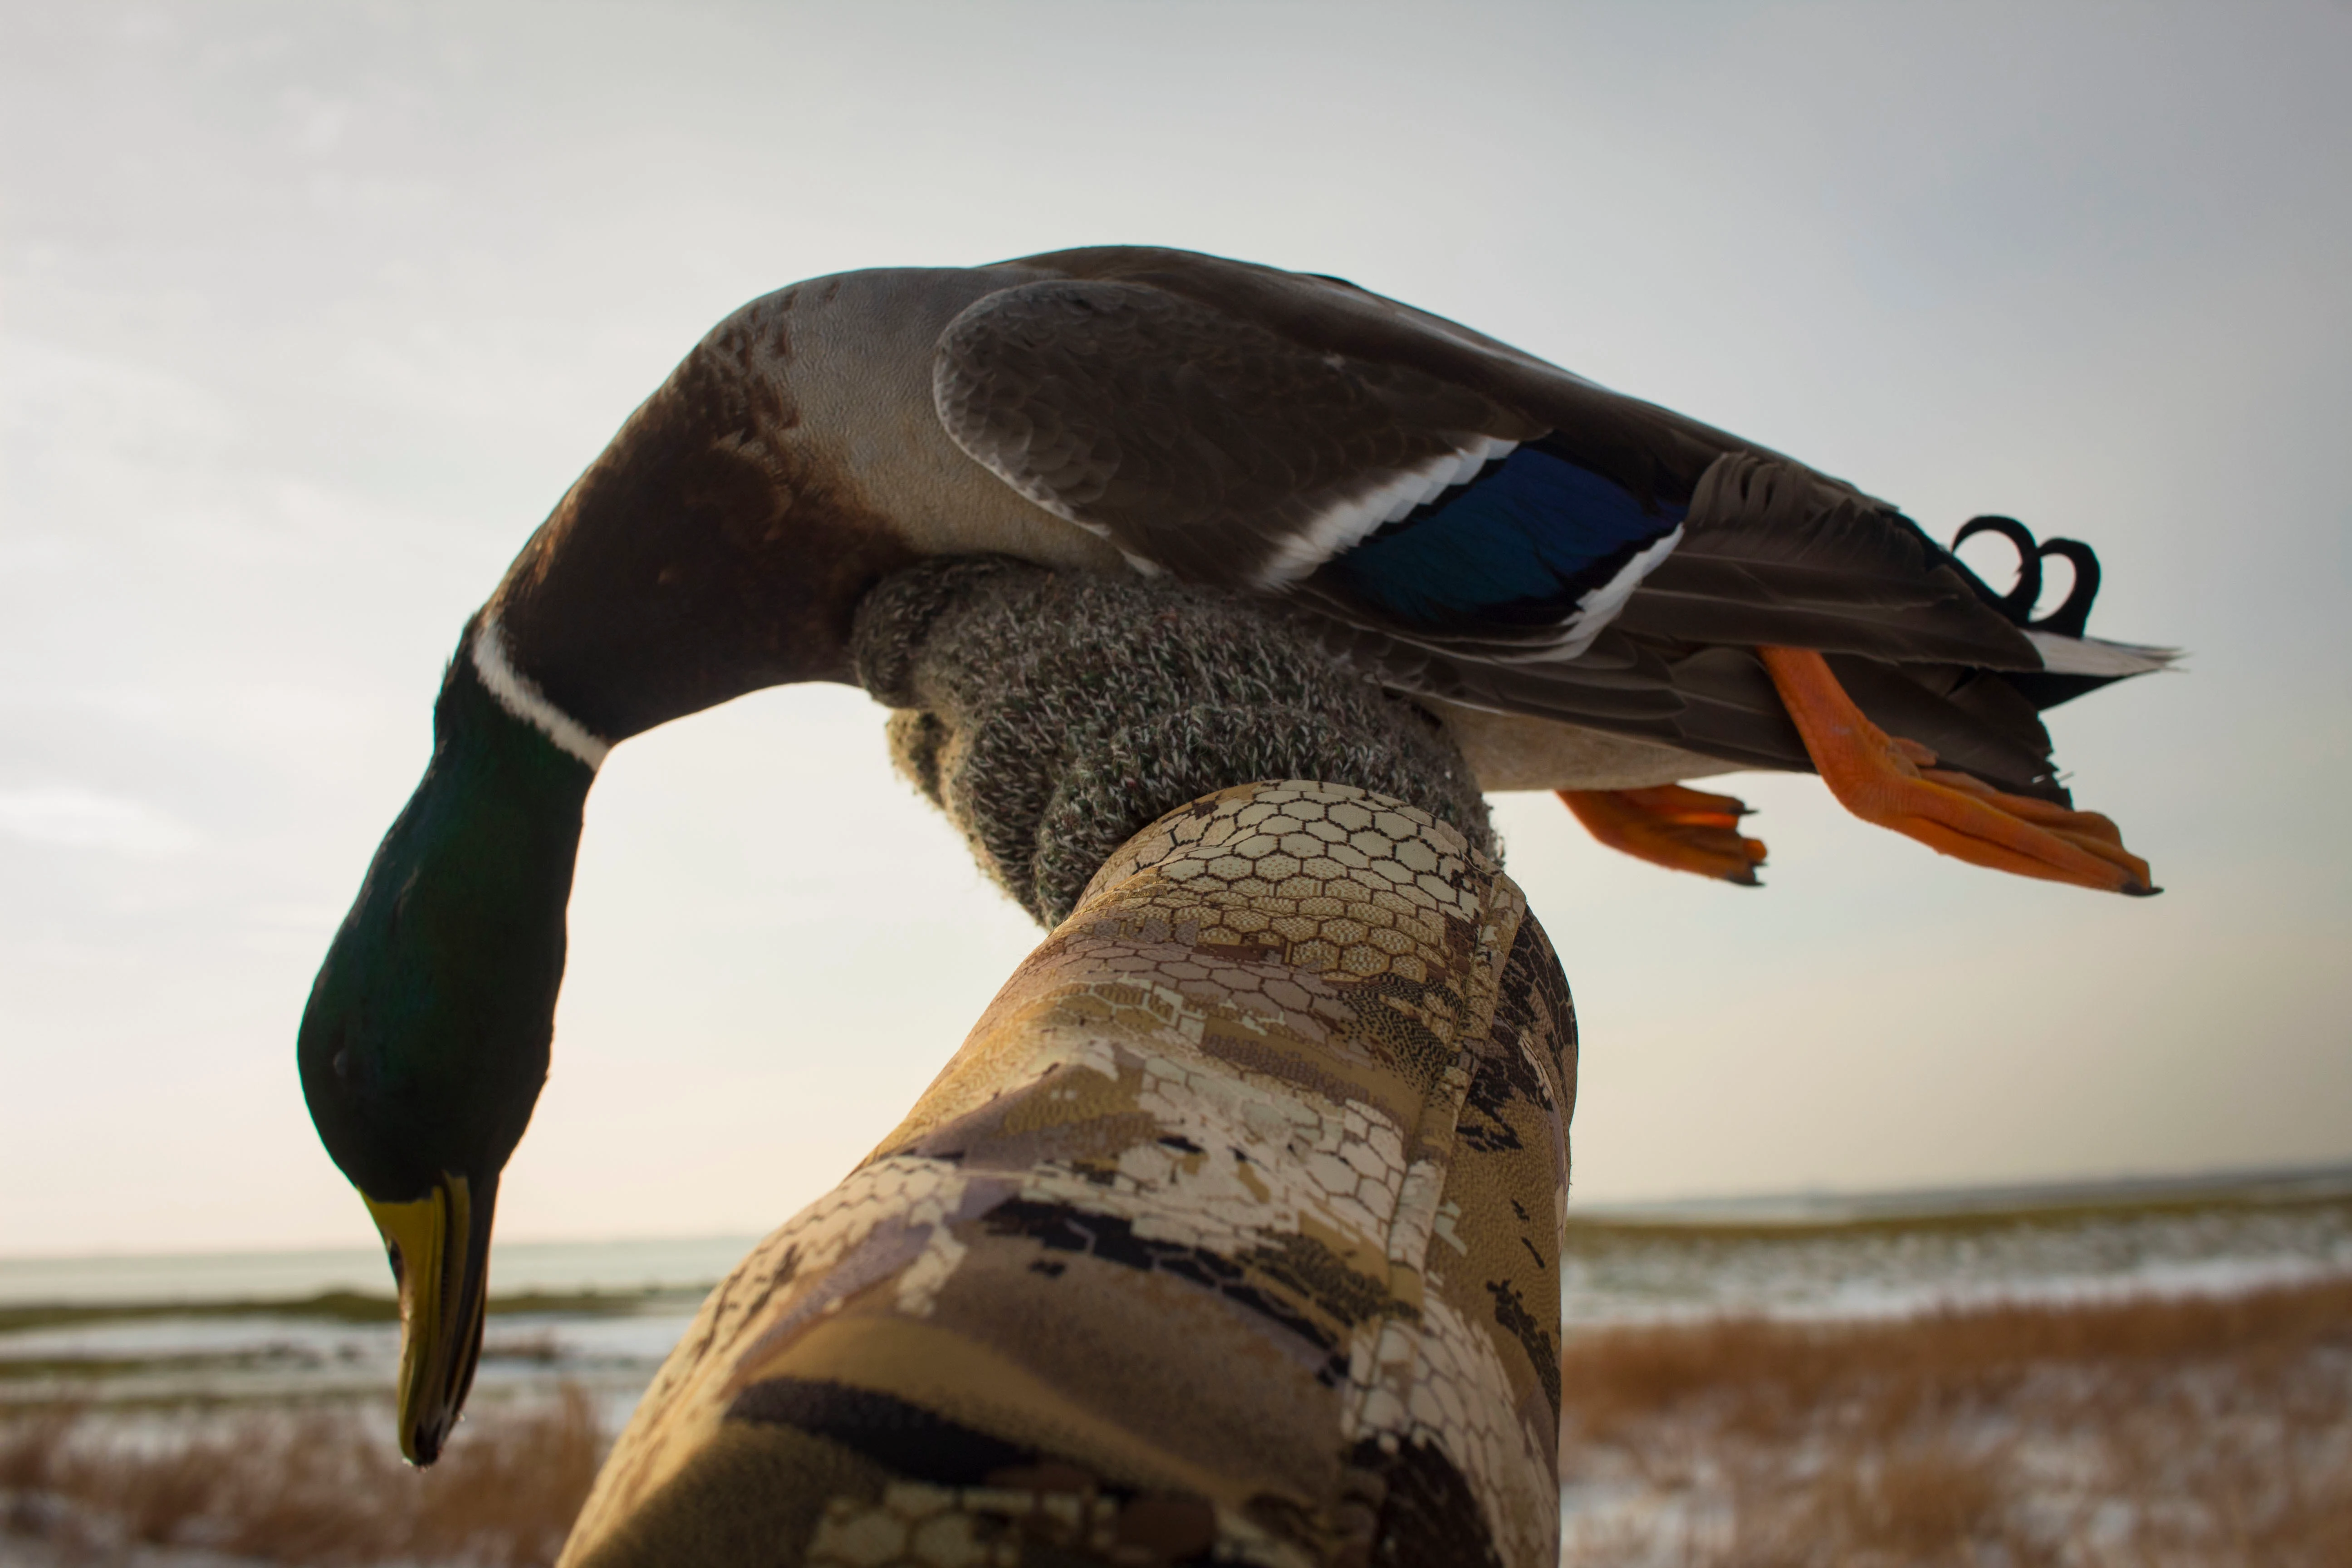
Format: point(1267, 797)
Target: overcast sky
point(309, 312)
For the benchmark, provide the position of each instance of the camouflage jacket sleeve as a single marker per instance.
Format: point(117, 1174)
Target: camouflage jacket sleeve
point(1231, 1235)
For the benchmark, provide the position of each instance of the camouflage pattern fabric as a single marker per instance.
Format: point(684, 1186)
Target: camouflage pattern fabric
point(1232, 1235)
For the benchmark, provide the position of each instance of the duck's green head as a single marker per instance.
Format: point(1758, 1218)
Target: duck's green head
point(425, 1039)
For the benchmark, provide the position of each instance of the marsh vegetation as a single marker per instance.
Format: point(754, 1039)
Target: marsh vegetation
point(2153, 1431)
point(2115, 1386)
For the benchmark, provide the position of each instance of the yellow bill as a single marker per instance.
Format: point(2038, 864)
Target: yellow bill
point(439, 1247)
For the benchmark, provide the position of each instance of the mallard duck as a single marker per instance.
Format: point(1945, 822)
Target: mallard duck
point(1595, 595)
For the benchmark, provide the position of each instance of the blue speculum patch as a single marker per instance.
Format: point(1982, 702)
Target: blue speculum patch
point(1520, 543)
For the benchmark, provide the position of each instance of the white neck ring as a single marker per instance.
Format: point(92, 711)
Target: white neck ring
point(522, 697)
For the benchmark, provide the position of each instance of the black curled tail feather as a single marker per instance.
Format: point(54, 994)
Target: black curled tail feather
point(2044, 689)
point(2069, 619)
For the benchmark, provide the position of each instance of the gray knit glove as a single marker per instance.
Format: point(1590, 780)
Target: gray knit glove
point(1055, 715)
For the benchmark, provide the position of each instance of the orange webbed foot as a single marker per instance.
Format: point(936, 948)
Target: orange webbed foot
point(1681, 829)
point(1892, 782)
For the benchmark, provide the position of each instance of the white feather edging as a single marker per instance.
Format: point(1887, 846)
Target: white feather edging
point(1339, 529)
point(2064, 655)
point(1600, 605)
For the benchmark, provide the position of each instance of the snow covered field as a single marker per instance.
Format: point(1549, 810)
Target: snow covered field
point(1912, 1253)
point(2157, 1374)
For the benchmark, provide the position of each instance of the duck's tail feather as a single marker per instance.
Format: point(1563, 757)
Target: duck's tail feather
point(2072, 661)
point(2073, 666)
point(1775, 553)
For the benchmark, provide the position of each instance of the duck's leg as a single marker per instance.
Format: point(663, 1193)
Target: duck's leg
point(1681, 829)
point(1892, 782)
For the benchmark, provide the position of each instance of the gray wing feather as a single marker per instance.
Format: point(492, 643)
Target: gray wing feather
point(1211, 416)
point(1203, 443)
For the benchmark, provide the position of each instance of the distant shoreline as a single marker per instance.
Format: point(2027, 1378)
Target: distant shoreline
point(562, 1278)
point(343, 1306)
point(1965, 1208)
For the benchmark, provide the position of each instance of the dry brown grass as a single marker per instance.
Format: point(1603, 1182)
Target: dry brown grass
point(311, 1487)
point(2148, 1432)
point(2142, 1433)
